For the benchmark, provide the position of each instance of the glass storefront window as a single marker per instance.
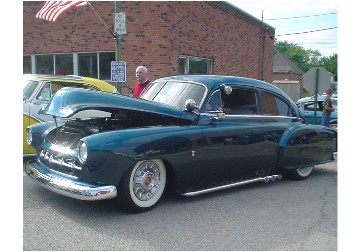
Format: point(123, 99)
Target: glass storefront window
point(26, 64)
point(64, 64)
point(105, 64)
point(88, 64)
point(44, 64)
point(96, 65)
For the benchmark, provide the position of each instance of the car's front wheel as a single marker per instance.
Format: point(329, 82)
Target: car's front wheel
point(143, 186)
point(300, 173)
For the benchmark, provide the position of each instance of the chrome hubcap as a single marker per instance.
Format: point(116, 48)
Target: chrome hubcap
point(146, 181)
point(305, 170)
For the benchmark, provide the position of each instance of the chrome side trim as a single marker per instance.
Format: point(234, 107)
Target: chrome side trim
point(33, 117)
point(29, 155)
point(67, 187)
point(213, 189)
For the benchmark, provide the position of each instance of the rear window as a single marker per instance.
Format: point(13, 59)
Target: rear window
point(274, 105)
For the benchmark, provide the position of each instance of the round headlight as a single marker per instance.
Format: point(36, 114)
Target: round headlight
point(28, 136)
point(82, 152)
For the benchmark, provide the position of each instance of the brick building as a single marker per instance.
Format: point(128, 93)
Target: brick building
point(168, 37)
point(285, 69)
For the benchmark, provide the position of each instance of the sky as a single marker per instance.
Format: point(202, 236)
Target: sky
point(297, 16)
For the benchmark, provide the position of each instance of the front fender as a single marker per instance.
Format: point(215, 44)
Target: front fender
point(39, 130)
point(111, 154)
point(306, 145)
point(27, 121)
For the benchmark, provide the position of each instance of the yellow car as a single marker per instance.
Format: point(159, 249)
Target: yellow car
point(38, 89)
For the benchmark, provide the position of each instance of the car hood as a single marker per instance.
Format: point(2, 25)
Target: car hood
point(69, 101)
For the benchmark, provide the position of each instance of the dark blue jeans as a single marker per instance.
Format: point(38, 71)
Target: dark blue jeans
point(325, 121)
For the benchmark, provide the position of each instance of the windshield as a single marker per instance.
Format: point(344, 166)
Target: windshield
point(174, 93)
point(29, 87)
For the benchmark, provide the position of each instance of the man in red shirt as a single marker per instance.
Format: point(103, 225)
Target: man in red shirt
point(142, 81)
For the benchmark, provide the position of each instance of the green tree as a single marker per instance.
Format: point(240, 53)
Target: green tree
point(306, 59)
point(330, 63)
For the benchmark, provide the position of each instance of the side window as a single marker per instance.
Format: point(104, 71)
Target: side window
point(310, 106)
point(44, 93)
point(273, 105)
point(48, 90)
point(54, 88)
point(240, 102)
point(321, 106)
point(214, 104)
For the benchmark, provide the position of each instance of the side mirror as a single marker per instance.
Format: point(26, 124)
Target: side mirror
point(227, 89)
point(39, 100)
point(190, 105)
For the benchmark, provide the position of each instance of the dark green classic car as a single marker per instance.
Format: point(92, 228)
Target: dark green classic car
point(191, 134)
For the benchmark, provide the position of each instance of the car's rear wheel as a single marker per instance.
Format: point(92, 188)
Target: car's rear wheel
point(143, 186)
point(300, 173)
point(333, 126)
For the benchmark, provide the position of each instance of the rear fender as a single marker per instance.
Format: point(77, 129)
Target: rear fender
point(306, 145)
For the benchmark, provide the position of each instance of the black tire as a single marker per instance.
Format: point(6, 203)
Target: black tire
point(333, 126)
point(301, 173)
point(142, 186)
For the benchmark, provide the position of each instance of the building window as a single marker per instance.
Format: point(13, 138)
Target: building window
point(197, 66)
point(88, 64)
point(64, 64)
point(194, 65)
point(44, 64)
point(182, 65)
point(105, 59)
point(96, 64)
point(26, 64)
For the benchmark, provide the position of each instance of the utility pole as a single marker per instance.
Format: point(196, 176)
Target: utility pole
point(261, 52)
point(317, 74)
point(118, 48)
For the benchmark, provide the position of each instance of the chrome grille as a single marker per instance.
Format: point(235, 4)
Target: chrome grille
point(60, 162)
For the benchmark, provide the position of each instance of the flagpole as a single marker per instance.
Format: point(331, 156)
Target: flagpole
point(107, 27)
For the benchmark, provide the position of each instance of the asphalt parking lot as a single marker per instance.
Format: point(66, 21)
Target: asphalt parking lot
point(281, 215)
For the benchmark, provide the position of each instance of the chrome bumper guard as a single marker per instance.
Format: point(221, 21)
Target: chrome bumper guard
point(73, 189)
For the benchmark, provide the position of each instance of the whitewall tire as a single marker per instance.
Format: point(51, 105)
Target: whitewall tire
point(301, 173)
point(143, 186)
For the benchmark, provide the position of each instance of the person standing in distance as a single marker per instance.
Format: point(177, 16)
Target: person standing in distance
point(327, 108)
point(142, 81)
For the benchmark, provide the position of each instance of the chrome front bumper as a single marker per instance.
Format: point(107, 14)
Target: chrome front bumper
point(67, 187)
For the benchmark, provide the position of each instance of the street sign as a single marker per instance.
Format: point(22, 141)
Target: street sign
point(120, 23)
point(309, 80)
point(118, 71)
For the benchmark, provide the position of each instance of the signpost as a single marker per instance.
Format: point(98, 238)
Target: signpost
point(324, 80)
point(118, 71)
point(118, 67)
point(120, 23)
point(316, 80)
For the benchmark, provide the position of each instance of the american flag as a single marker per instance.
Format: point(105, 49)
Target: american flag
point(52, 9)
